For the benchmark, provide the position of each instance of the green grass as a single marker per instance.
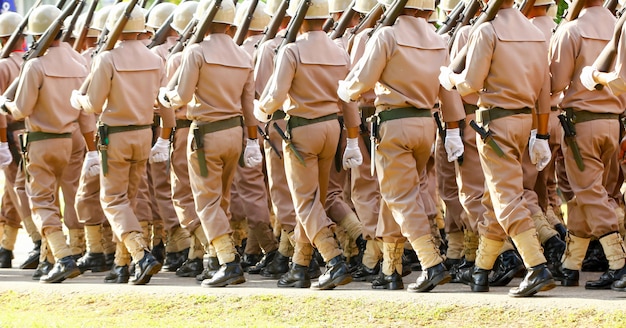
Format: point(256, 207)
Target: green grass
point(38, 309)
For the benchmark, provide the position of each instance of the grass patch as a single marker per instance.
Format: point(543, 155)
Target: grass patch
point(39, 309)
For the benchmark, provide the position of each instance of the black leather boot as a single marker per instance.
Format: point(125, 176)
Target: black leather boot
point(410, 262)
point(606, 279)
point(92, 261)
point(229, 274)
point(297, 276)
point(452, 265)
point(507, 265)
point(479, 280)
point(6, 257)
point(619, 285)
point(158, 252)
point(42, 269)
point(109, 260)
point(64, 268)
point(263, 262)
point(190, 268)
point(248, 260)
point(553, 250)
point(118, 275)
point(567, 277)
point(464, 266)
point(561, 230)
point(336, 274)
point(431, 277)
point(391, 282)
point(33, 257)
point(145, 269)
point(174, 260)
point(314, 268)
point(277, 267)
point(363, 273)
point(538, 278)
point(595, 260)
point(212, 266)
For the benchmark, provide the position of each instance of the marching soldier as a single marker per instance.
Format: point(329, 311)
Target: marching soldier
point(127, 78)
point(506, 94)
point(595, 117)
point(45, 85)
point(214, 145)
point(307, 72)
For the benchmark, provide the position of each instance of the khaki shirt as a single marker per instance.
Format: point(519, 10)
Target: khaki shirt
point(617, 82)
point(9, 71)
point(173, 62)
point(127, 78)
point(44, 90)
point(307, 72)
point(459, 42)
point(547, 25)
point(506, 64)
point(218, 75)
point(575, 45)
point(358, 49)
point(264, 66)
point(402, 67)
point(163, 50)
point(249, 44)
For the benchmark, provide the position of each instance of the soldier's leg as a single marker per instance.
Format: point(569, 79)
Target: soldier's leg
point(69, 186)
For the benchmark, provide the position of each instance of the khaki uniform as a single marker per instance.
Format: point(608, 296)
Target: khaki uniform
point(307, 72)
point(216, 100)
point(405, 144)
point(576, 45)
point(127, 78)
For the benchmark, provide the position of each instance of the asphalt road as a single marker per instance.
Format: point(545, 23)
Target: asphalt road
point(449, 294)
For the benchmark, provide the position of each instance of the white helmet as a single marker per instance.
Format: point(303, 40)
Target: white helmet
point(259, 18)
point(183, 15)
point(9, 22)
point(317, 10)
point(41, 18)
point(136, 22)
point(448, 5)
point(421, 4)
point(544, 2)
point(338, 6)
point(100, 18)
point(225, 14)
point(364, 6)
point(159, 14)
point(271, 7)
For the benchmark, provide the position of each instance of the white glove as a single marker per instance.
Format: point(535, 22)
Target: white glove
point(3, 100)
point(5, 155)
point(160, 152)
point(454, 144)
point(74, 100)
point(540, 154)
point(163, 99)
point(252, 154)
point(259, 113)
point(586, 77)
point(533, 137)
point(342, 91)
point(352, 154)
point(444, 78)
point(91, 165)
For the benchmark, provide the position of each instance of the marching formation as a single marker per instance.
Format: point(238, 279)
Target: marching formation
point(275, 137)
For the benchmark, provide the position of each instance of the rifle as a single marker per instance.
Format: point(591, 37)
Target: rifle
point(468, 13)
point(329, 24)
point(458, 65)
point(17, 34)
point(111, 38)
point(343, 22)
point(367, 22)
point(453, 19)
point(274, 25)
point(390, 16)
point(60, 4)
point(606, 59)
point(572, 12)
point(162, 32)
point(184, 37)
point(78, 43)
point(611, 5)
point(295, 23)
point(525, 7)
point(68, 32)
point(242, 30)
point(103, 34)
point(202, 27)
point(40, 46)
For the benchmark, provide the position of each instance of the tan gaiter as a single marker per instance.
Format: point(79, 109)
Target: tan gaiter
point(372, 254)
point(136, 245)
point(545, 231)
point(122, 256)
point(284, 245)
point(58, 245)
point(455, 245)
point(575, 251)
point(178, 239)
point(427, 252)
point(302, 254)
point(326, 244)
point(352, 225)
point(9, 237)
point(529, 248)
point(31, 228)
point(470, 245)
point(613, 246)
point(108, 245)
point(487, 253)
point(225, 248)
point(93, 238)
point(77, 241)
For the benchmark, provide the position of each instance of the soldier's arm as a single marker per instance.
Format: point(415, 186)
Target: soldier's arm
point(189, 76)
point(277, 89)
point(562, 60)
point(100, 86)
point(370, 67)
point(478, 62)
point(247, 106)
point(27, 91)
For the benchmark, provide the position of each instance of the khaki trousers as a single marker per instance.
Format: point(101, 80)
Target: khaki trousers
point(365, 194)
point(70, 178)
point(88, 206)
point(182, 195)
point(546, 180)
point(335, 205)
point(448, 189)
point(471, 179)
point(9, 214)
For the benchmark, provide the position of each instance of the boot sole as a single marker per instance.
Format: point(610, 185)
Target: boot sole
point(440, 279)
point(617, 289)
point(298, 284)
point(390, 286)
point(507, 278)
point(94, 269)
point(339, 281)
point(232, 281)
point(147, 275)
point(68, 275)
point(569, 283)
point(478, 288)
point(544, 286)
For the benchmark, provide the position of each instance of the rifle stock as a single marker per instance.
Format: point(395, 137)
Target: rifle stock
point(466, 16)
point(19, 31)
point(453, 19)
point(184, 37)
point(78, 43)
point(163, 32)
point(458, 64)
point(295, 23)
point(68, 32)
point(242, 30)
point(390, 16)
point(606, 59)
point(343, 22)
point(329, 24)
point(274, 25)
point(368, 21)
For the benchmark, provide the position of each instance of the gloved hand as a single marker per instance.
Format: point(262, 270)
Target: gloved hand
point(160, 152)
point(260, 114)
point(163, 99)
point(444, 78)
point(252, 154)
point(533, 137)
point(586, 77)
point(342, 91)
point(540, 154)
point(91, 165)
point(74, 100)
point(454, 144)
point(5, 155)
point(352, 154)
